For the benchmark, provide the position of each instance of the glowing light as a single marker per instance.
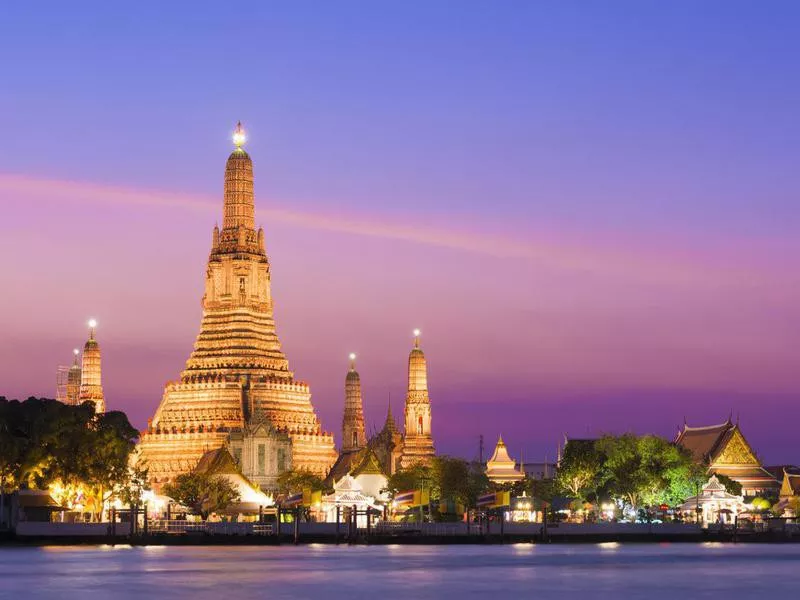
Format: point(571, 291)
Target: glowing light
point(352, 356)
point(609, 545)
point(417, 333)
point(75, 351)
point(92, 323)
point(239, 137)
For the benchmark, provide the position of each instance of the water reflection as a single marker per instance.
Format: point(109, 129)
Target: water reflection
point(553, 571)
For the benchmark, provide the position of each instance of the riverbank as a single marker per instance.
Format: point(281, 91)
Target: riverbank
point(378, 539)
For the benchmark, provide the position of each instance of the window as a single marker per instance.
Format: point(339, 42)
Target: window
point(355, 438)
point(262, 459)
point(419, 425)
point(281, 460)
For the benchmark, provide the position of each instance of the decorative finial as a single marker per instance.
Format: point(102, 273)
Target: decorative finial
point(92, 327)
point(417, 333)
point(352, 361)
point(239, 137)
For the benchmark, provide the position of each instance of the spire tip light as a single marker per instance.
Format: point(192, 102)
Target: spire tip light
point(239, 137)
point(92, 323)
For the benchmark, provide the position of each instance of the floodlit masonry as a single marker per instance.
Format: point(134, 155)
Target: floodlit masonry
point(237, 374)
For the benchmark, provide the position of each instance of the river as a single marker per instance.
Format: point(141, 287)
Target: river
point(599, 571)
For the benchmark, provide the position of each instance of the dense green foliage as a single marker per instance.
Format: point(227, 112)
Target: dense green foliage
point(731, 486)
point(297, 481)
point(45, 443)
point(579, 470)
point(446, 478)
point(202, 493)
point(637, 470)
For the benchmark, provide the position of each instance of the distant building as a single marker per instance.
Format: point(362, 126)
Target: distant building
point(713, 505)
point(725, 451)
point(91, 388)
point(539, 470)
point(417, 438)
point(68, 381)
point(388, 450)
point(501, 468)
point(789, 495)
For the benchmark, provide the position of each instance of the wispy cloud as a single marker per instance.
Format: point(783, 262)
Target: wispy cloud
point(641, 264)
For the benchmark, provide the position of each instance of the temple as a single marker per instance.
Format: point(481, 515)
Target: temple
point(372, 461)
point(91, 386)
point(724, 451)
point(418, 441)
point(237, 374)
point(501, 468)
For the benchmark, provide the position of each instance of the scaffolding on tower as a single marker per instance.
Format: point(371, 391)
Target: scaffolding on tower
point(68, 382)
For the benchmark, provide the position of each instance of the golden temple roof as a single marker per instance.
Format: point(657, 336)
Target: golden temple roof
point(501, 467)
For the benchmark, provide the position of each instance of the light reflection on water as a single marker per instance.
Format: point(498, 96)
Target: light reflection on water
point(652, 571)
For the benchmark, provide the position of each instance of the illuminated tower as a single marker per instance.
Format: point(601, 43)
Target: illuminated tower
point(237, 373)
point(91, 388)
point(353, 435)
point(418, 442)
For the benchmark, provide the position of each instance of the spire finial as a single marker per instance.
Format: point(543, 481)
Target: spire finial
point(92, 327)
point(417, 333)
point(75, 352)
point(239, 137)
point(352, 361)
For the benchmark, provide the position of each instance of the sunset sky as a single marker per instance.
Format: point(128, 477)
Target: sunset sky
point(590, 209)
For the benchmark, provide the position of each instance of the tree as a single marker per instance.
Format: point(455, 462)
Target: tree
point(647, 470)
point(202, 493)
point(580, 469)
point(731, 486)
point(137, 484)
point(415, 477)
point(623, 470)
point(107, 470)
point(456, 479)
point(761, 504)
point(295, 482)
point(76, 453)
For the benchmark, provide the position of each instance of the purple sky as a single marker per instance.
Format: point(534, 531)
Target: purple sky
point(590, 209)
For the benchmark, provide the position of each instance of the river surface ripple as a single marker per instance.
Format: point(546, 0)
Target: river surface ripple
point(652, 571)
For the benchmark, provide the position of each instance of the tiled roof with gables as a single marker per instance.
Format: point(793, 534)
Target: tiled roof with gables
point(705, 442)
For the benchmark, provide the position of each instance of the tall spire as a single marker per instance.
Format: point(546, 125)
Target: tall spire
point(354, 436)
point(417, 368)
point(390, 425)
point(239, 198)
point(91, 388)
point(418, 442)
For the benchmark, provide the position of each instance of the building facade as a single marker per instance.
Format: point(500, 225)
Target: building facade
point(261, 452)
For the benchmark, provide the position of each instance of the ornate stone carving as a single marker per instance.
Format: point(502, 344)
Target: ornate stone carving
point(237, 371)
